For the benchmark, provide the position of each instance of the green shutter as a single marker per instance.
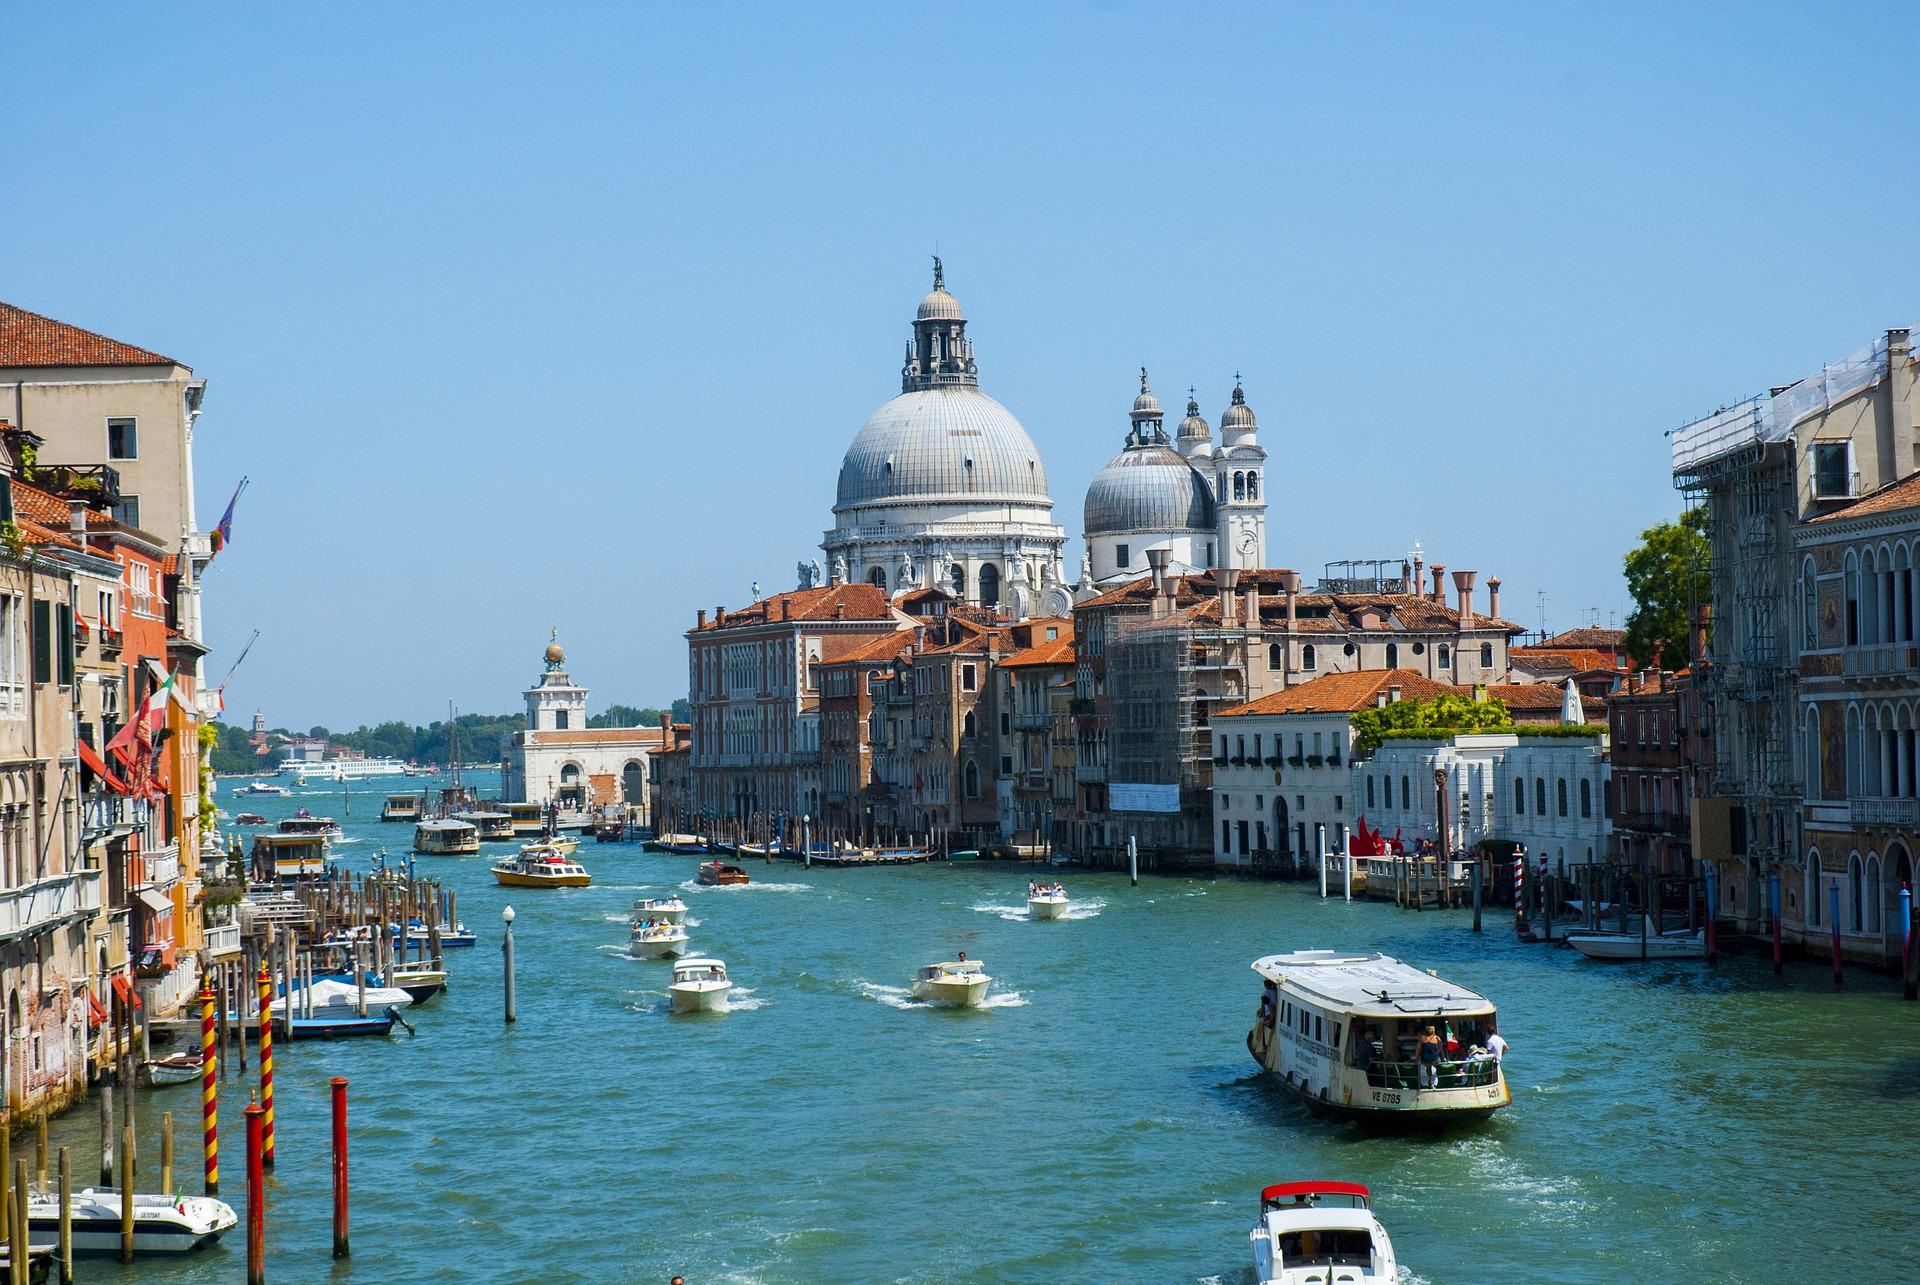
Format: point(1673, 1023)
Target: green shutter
point(42, 626)
point(64, 637)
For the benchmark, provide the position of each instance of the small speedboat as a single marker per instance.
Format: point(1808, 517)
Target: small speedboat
point(161, 1224)
point(420, 982)
point(1047, 905)
point(1676, 944)
point(178, 1068)
point(565, 845)
point(960, 982)
point(329, 996)
point(720, 874)
point(262, 787)
point(418, 935)
point(657, 941)
point(249, 818)
point(699, 985)
point(670, 909)
point(683, 844)
point(540, 865)
point(1320, 1233)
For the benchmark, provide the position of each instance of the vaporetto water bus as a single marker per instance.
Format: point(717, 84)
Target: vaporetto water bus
point(1344, 1031)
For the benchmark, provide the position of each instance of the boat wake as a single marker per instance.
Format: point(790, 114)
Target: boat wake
point(1007, 999)
point(892, 996)
point(1020, 914)
point(694, 885)
point(741, 999)
point(1011, 913)
point(1083, 909)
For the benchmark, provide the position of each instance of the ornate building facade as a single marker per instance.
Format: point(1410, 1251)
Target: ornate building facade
point(558, 759)
point(943, 486)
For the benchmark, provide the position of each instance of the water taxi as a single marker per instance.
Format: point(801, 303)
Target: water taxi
point(401, 807)
point(289, 856)
point(670, 909)
point(305, 822)
point(529, 820)
point(657, 940)
point(263, 787)
point(699, 985)
point(538, 866)
point(716, 873)
point(1047, 903)
point(962, 982)
point(494, 827)
point(1673, 944)
point(1320, 1233)
point(161, 1224)
point(561, 844)
point(249, 818)
point(1344, 1030)
point(445, 838)
point(686, 845)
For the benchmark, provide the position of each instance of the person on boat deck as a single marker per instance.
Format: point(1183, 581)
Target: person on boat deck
point(1495, 1044)
point(1430, 1059)
point(1033, 889)
point(1058, 891)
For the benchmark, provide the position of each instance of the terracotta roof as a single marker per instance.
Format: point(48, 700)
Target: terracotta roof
point(596, 736)
point(1903, 494)
point(1572, 660)
point(1057, 652)
point(1344, 693)
point(1522, 696)
point(40, 506)
point(1335, 613)
point(879, 651)
point(854, 601)
point(29, 339)
point(1588, 636)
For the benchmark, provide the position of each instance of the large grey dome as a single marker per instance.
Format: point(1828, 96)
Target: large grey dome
point(1148, 488)
point(942, 444)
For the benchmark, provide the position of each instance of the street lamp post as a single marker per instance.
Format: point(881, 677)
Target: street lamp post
point(506, 950)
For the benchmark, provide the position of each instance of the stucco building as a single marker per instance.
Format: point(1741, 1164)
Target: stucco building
point(560, 760)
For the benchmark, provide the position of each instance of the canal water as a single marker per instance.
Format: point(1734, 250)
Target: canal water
point(1099, 1120)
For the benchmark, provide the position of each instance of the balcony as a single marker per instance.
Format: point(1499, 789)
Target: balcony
point(1896, 812)
point(47, 903)
point(223, 939)
point(1660, 821)
point(158, 869)
point(94, 484)
point(103, 813)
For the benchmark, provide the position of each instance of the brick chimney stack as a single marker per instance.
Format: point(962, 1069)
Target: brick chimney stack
point(1439, 582)
point(1228, 579)
point(700, 618)
point(1157, 561)
point(1463, 586)
point(1493, 597)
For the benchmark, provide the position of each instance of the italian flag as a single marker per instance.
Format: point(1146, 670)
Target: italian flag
point(153, 712)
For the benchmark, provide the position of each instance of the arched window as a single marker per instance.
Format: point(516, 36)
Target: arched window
point(1870, 599)
point(1539, 796)
point(1902, 595)
point(1253, 486)
point(957, 577)
point(1872, 895)
point(1274, 658)
point(972, 778)
point(1307, 658)
point(1393, 655)
point(877, 576)
point(969, 728)
point(989, 585)
point(1853, 752)
point(1856, 884)
point(570, 774)
point(1809, 606)
point(1560, 788)
point(1239, 486)
point(1813, 889)
point(1486, 655)
point(1810, 747)
point(633, 782)
point(1519, 797)
point(1853, 599)
point(1586, 798)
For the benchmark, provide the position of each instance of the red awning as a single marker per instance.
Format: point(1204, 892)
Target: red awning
point(1280, 1190)
point(124, 989)
point(91, 757)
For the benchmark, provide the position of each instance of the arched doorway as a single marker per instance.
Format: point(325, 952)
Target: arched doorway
point(877, 576)
point(633, 783)
point(957, 577)
point(571, 793)
point(989, 585)
point(1282, 831)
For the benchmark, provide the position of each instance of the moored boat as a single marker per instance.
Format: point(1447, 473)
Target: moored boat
point(401, 807)
point(961, 982)
point(445, 838)
point(669, 909)
point(1345, 1032)
point(494, 827)
point(719, 873)
point(540, 866)
point(1675, 944)
point(657, 940)
point(1320, 1233)
point(683, 844)
point(289, 856)
point(178, 1068)
point(699, 985)
point(161, 1224)
point(304, 822)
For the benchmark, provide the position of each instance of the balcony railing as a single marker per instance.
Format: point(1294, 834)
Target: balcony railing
point(46, 902)
point(159, 869)
point(1899, 812)
point(98, 484)
point(223, 939)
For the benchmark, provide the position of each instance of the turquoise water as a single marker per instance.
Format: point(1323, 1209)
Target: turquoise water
point(1102, 1120)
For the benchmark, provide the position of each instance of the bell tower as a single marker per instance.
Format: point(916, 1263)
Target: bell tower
point(939, 355)
point(554, 704)
point(1239, 469)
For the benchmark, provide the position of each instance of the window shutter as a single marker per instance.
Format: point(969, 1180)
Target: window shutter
point(63, 636)
point(42, 626)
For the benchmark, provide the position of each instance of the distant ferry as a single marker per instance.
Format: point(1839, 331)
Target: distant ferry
point(342, 769)
point(1344, 1032)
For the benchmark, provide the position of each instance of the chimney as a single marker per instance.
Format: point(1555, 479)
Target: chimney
point(1418, 582)
point(1406, 577)
point(1290, 588)
point(700, 618)
point(1702, 622)
point(77, 522)
point(1440, 582)
point(1393, 693)
point(1228, 578)
point(1463, 586)
point(839, 611)
point(1157, 560)
point(1252, 606)
point(1493, 597)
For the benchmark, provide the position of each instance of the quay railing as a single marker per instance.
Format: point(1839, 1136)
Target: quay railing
point(223, 939)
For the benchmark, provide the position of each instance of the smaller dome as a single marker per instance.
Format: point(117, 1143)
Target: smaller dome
point(1239, 416)
point(1194, 426)
point(1148, 488)
point(1146, 404)
point(938, 305)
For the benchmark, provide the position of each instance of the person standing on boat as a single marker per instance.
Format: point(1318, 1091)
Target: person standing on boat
point(1430, 1059)
point(1496, 1045)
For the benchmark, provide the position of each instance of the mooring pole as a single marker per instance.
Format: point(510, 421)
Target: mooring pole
point(66, 1216)
point(1476, 892)
point(506, 952)
point(209, 1093)
point(1133, 862)
point(256, 1197)
point(339, 1167)
point(266, 1067)
point(1774, 885)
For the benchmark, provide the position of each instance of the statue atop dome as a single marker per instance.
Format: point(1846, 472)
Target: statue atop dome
point(556, 654)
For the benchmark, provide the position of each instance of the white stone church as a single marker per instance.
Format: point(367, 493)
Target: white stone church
point(560, 760)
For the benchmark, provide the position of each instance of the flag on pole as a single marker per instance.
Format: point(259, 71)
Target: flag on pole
point(152, 709)
point(223, 534)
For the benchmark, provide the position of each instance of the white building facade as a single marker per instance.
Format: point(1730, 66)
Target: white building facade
point(943, 486)
point(1399, 787)
point(1550, 795)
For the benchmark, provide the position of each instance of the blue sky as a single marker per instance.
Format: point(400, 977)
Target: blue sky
point(524, 317)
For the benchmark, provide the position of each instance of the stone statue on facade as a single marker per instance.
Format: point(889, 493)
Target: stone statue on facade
point(839, 568)
point(905, 579)
point(808, 572)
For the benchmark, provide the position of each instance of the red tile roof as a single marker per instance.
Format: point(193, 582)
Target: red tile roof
point(1588, 636)
point(1344, 693)
point(1571, 660)
point(597, 736)
point(1903, 494)
point(854, 602)
point(41, 506)
point(878, 652)
point(29, 339)
point(1057, 652)
point(1314, 612)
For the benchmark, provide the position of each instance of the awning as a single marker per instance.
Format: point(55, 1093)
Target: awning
point(91, 757)
point(158, 904)
point(124, 989)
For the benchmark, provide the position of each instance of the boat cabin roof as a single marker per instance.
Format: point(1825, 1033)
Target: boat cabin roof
point(687, 965)
point(1372, 985)
point(444, 824)
point(290, 840)
point(1289, 1190)
point(403, 798)
point(955, 966)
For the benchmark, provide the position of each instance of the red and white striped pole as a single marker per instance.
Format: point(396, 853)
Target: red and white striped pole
point(266, 1068)
point(209, 1092)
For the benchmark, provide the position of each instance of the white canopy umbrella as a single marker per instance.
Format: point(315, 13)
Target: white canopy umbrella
point(1570, 708)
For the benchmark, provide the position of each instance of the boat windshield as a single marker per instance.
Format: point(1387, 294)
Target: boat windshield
point(1336, 1247)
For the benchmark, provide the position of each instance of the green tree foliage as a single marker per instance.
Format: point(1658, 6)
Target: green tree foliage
point(644, 716)
point(1443, 715)
point(1666, 574)
point(232, 754)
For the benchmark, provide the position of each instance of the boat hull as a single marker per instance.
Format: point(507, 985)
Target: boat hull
point(1615, 948)
point(953, 994)
point(700, 999)
point(515, 879)
point(659, 947)
point(158, 1226)
point(1046, 907)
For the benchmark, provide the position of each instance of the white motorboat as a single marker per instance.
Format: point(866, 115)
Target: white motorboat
point(1320, 1233)
point(670, 909)
point(1047, 905)
point(329, 997)
point(962, 982)
point(178, 1068)
point(657, 941)
point(699, 985)
point(262, 787)
point(161, 1224)
point(1676, 944)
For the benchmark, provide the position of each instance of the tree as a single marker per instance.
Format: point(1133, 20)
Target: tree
point(1666, 574)
point(1443, 715)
